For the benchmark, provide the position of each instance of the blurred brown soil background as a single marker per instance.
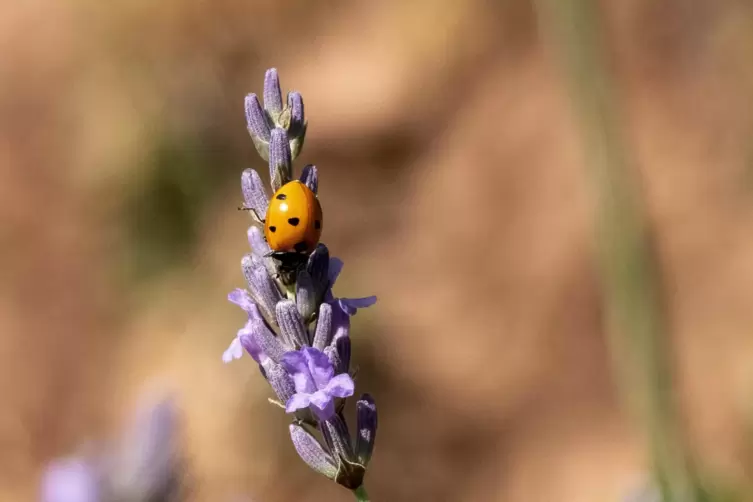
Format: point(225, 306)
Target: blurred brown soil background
point(453, 188)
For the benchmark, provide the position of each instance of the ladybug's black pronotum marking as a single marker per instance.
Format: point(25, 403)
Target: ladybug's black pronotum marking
point(294, 221)
point(301, 247)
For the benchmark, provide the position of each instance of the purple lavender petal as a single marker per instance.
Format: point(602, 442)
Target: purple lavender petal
point(292, 330)
point(340, 321)
point(256, 120)
point(241, 298)
point(366, 421)
point(310, 177)
point(254, 195)
point(297, 402)
point(341, 385)
point(70, 480)
point(234, 351)
point(323, 333)
point(319, 366)
point(247, 339)
point(296, 364)
point(272, 92)
point(351, 305)
point(335, 267)
point(322, 405)
point(280, 159)
point(312, 452)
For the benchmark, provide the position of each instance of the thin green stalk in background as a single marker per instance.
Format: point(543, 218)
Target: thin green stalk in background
point(629, 270)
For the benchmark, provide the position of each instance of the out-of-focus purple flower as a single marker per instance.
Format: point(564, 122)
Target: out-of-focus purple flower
point(70, 480)
point(315, 381)
point(144, 466)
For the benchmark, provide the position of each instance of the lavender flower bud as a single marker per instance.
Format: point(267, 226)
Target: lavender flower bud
point(254, 194)
point(256, 120)
point(367, 426)
point(335, 432)
point(146, 464)
point(264, 339)
point(323, 333)
point(272, 92)
point(280, 159)
point(312, 452)
point(310, 177)
point(305, 296)
point(337, 437)
point(295, 105)
point(279, 380)
point(263, 289)
point(292, 330)
point(318, 269)
point(297, 126)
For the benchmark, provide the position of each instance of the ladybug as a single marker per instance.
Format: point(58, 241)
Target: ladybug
point(293, 226)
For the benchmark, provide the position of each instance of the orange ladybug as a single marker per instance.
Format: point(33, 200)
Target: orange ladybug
point(294, 219)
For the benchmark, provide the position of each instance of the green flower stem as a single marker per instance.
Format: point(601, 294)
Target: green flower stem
point(361, 495)
point(628, 265)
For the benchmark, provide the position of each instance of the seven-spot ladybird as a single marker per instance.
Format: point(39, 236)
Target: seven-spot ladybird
point(294, 220)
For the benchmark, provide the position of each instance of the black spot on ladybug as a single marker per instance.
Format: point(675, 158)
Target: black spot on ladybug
point(317, 224)
point(273, 229)
point(300, 247)
point(281, 196)
point(294, 221)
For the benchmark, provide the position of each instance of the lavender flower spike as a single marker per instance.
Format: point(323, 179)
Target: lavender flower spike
point(316, 384)
point(280, 159)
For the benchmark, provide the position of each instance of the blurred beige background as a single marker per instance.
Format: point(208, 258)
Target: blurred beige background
point(452, 185)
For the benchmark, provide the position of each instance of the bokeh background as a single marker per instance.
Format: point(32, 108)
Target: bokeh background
point(452, 180)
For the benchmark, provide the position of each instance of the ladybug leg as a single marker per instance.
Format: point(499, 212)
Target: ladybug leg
point(254, 214)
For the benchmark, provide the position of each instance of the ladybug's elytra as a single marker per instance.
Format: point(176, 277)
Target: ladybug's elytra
point(294, 219)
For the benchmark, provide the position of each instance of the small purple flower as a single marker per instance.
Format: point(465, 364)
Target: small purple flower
point(70, 480)
point(315, 381)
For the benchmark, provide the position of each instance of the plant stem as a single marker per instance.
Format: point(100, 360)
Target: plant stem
point(361, 495)
point(628, 264)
